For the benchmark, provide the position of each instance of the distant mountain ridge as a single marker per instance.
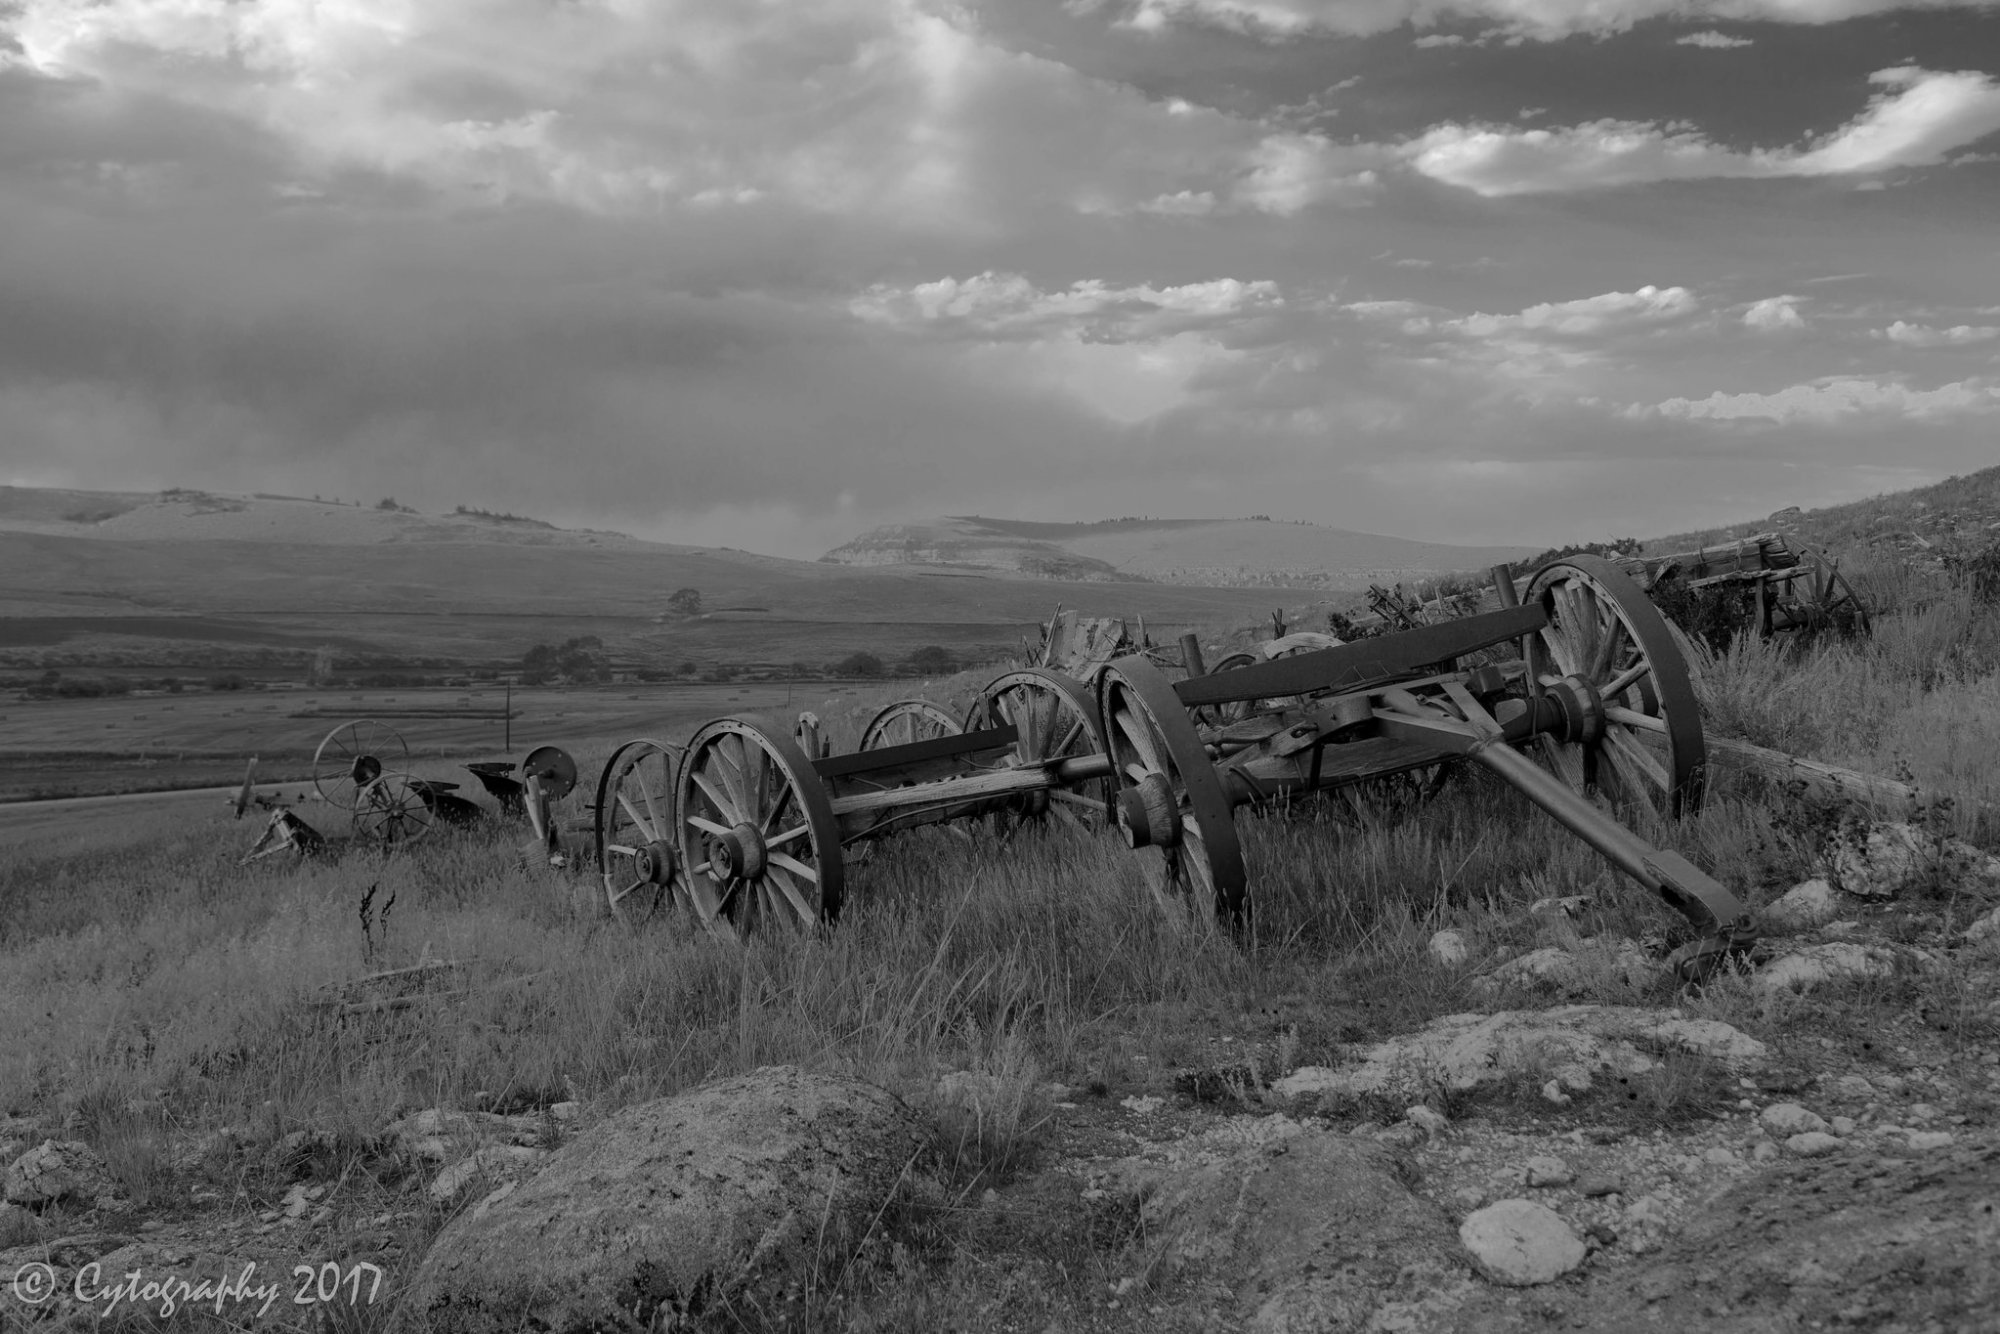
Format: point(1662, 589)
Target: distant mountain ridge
point(1256, 552)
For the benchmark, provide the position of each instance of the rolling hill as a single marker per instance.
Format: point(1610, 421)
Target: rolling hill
point(188, 578)
point(1187, 552)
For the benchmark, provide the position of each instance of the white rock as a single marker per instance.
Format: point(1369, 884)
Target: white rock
point(1553, 1092)
point(1144, 1106)
point(1788, 1118)
point(1854, 1086)
point(1569, 905)
point(1926, 1140)
point(1521, 1243)
point(1548, 966)
point(1843, 1126)
point(1719, 1156)
point(1548, 1170)
point(1764, 1151)
point(1896, 856)
point(565, 1111)
point(1573, 1043)
point(1812, 903)
point(57, 1170)
point(1814, 1144)
point(1448, 948)
point(1806, 968)
point(496, 1162)
point(1985, 931)
point(1427, 1119)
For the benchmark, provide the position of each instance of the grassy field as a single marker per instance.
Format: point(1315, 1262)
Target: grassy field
point(153, 991)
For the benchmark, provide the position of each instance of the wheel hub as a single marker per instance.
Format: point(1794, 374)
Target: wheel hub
point(739, 854)
point(1579, 710)
point(366, 770)
point(655, 863)
point(1150, 813)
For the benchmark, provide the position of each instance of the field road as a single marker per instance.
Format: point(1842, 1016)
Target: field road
point(25, 823)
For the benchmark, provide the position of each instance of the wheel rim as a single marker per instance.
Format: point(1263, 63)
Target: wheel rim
point(390, 810)
point(1154, 751)
point(1604, 630)
point(352, 756)
point(1222, 715)
point(635, 830)
point(754, 830)
point(906, 722)
point(1054, 719)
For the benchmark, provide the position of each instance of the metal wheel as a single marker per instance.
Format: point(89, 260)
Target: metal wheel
point(553, 767)
point(755, 830)
point(352, 756)
point(1168, 794)
point(390, 809)
point(635, 830)
point(907, 721)
point(1603, 630)
point(1222, 715)
point(1057, 720)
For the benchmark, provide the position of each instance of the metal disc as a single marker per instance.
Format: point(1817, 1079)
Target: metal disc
point(554, 767)
point(636, 830)
point(1147, 732)
point(1056, 719)
point(907, 721)
point(1603, 629)
point(354, 755)
point(754, 829)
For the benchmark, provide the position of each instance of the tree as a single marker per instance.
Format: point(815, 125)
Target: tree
point(576, 661)
point(685, 602)
point(931, 660)
point(863, 663)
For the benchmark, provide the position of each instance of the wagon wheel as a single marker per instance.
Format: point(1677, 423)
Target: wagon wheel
point(755, 829)
point(1168, 794)
point(1603, 629)
point(1056, 719)
point(907, 721)
point(390, 809)
point(635, 831)
point(352, 756)
point(1833, 601)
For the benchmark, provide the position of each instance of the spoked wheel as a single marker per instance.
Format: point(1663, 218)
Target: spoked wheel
point(352, 756)
point(1169, 797)
point(1606, 641)
point(390, 810)
point(1222, 715)
point(1056, 719)
point(636, 829)
point(907, 721)
point(755, 830)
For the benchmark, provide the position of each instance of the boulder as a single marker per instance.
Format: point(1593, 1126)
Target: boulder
point(1815, 1144)
point(1894, 857)
point(1448, 948)
point(1788, 1118)
point(1803, 969)
point(1804, 906)
point(57, 1170)
point(1312, 1230)
point(1520, 1243)
point(674, 1208)
point(1574, 1043)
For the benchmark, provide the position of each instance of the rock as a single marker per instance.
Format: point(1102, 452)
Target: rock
point(1448, 948)
point(1547, 967)
point(1428, 1120)
point(496, 1163)
point(668, 1208)
point(1802, 907)
point(565, 1111)
point(1843, 1126)
point(1764, 1151)
point(57, 1170)
point(1547, 1170)
point(1574, 1043)
point(1599, 1184)
point(1520, 1243)
point(1719, 1156)
point(1803, 969)
point(1898, 856)
point(1788, 1118)
point(1318, 1238)
point(1985, 932)
point(1567, 905)
point(1814, 1144)
point(1926, 1140)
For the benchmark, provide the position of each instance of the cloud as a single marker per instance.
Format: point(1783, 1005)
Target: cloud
point(1712, 40)
point(1916, 121)
point(1585, 316)
point(1774, 313)
point(1540, 20)
point(1002, 304)
point(1924, 335)
point(1832, 400)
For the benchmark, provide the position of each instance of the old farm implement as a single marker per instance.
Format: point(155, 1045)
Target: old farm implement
point(360, 769)
point(1577, 696)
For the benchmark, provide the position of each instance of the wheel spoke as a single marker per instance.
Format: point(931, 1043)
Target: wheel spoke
point(723, 806)
point(780, 840)
point(625, 804)
point(1141, 738)
point(755, 778)
point(795, 866)
point(708, 826)
point(1626, 679)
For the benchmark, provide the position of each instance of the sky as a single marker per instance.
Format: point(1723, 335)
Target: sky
point(762, 275)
